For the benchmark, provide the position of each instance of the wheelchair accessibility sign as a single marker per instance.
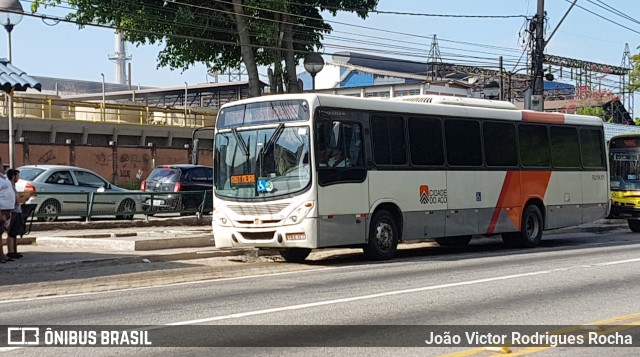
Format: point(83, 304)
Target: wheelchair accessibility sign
point(264, 186)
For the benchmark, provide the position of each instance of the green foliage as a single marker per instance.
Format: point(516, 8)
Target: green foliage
point(207, 31)
point(634, 84)
point(594, 111)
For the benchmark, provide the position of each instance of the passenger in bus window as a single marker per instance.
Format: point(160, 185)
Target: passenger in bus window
point(331, 157)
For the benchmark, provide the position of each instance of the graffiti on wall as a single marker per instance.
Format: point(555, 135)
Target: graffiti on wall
point(46, 158)
point(103, 159)
point(133, 165)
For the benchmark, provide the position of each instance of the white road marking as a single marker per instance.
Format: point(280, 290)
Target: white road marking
point(391, 293)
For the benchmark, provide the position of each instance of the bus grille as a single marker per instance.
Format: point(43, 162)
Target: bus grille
point(258, 235)
point(258, 210)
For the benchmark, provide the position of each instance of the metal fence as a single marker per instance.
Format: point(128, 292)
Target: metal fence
point(121, 205)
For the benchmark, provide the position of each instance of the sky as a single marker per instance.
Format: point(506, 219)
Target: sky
point(63, 50)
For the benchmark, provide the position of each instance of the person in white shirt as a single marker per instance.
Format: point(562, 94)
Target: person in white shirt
point(7, 204)
point(16, 225)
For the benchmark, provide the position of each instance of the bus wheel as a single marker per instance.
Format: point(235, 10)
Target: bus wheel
point(459, 241)
point(383, 237)
point(530, 229)
point(634, 225)
point(295, 255)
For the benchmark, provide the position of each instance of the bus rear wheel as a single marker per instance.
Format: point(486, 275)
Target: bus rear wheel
point(530, 230)
point(383, 237)
point(295, 255)
point(634, 225)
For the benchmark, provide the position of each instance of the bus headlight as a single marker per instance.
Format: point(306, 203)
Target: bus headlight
point(221, 218)
point(300, 213)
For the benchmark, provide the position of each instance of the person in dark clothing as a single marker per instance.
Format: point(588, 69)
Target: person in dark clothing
point(16, 225)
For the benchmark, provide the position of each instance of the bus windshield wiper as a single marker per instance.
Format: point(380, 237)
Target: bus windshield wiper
point(274, 137)
point(241, 143)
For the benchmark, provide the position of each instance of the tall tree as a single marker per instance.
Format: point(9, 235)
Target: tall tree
point(221, 34)
point(634, 86)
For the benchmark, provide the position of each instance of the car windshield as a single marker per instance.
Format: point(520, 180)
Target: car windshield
point(164, 175)
point(262, 162)
point(30, 174)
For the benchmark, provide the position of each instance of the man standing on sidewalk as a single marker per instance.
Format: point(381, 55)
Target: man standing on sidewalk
point(16, 226)
point(7, 204)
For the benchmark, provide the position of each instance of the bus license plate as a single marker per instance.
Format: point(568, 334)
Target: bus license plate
point(296, 236)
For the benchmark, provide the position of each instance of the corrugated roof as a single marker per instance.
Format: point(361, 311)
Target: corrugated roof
point(13, 78)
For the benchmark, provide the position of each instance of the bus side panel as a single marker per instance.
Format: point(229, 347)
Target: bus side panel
point(422, 196)
point(463, 188)
point(563, 200)
point(595, 195)
point(340, 207)
point(476, 201)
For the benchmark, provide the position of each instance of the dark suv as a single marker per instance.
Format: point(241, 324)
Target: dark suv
point(178, 181)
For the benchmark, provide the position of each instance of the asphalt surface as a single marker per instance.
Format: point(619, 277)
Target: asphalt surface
point(574, 278)
point(47, 269)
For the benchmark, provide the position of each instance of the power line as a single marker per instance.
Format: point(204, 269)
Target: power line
point(614, 11)
point(604, 18)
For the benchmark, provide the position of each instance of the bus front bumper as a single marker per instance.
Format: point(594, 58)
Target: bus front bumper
point(624, 211)
point(301, 235)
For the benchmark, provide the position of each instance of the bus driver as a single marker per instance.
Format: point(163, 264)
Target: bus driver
point(331, 157)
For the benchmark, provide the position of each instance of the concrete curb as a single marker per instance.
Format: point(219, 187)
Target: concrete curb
point(607, 226)
point(111, 224)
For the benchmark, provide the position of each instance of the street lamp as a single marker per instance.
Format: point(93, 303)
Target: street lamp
point(104, 101)
point(10, 15)
point(186, 93)
point(313, 63)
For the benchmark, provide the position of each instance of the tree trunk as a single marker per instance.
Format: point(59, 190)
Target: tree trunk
point(290, 57)
point(246, 50)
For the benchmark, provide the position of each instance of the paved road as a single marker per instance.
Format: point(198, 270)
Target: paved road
point(575, 278)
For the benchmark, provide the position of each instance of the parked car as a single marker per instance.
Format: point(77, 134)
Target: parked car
point(178, 181)
point(60, 192)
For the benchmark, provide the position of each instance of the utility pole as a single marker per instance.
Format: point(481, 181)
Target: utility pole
point(537, 98)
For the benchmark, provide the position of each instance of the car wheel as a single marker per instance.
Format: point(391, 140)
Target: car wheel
point(126, 206)
point(189, 204)
point(51, 208)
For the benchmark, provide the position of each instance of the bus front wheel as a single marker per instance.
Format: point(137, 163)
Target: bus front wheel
point(634, 225)
point(530, 230)
point(383, 237)
point(295, 255)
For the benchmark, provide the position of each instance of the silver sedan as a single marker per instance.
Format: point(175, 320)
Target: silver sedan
point(67, 191)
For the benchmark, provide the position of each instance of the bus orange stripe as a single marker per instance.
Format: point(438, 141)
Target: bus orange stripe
point(518, 187)
point(496, 212)
point(538, 117)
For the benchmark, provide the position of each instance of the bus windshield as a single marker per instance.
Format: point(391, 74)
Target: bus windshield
point(266, 162)
point(625, 170)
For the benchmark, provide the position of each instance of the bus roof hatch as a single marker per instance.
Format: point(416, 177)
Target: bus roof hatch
point(461, 101)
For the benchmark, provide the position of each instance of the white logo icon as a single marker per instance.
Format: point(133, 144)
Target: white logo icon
point(23, 336)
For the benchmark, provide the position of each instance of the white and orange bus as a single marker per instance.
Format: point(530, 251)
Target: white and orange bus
point(304, 171)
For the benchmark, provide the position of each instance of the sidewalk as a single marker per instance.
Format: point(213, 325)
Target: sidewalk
point(62, 243)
